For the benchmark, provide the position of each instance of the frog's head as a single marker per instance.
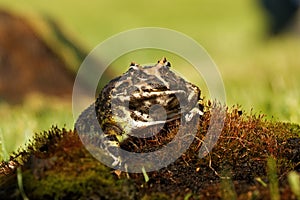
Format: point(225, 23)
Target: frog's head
point(151, 95)
point(147, 79)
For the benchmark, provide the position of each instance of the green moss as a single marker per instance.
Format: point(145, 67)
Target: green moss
point(156, 196)
point(96, 182)
point(55, 165)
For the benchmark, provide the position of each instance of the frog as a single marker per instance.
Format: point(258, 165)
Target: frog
point(142, 102)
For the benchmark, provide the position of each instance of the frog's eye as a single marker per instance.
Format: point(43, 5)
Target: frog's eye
point(164, 62)
point(168, 64)
point(133, 65)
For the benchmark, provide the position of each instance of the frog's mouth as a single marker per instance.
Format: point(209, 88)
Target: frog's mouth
point(155, 107)
point(150, 111)
point(145, 111)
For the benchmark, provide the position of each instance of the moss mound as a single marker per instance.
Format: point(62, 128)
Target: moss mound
point(28, 64)
point(55, 165)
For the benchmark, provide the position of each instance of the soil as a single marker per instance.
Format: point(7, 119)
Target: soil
point(27, 64)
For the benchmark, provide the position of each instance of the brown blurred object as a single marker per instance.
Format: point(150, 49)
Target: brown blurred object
point(27, 64)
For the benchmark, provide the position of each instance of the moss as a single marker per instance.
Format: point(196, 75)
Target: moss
point(90, 183)
point(156, 196)
point(245, 144)
point(55, 165)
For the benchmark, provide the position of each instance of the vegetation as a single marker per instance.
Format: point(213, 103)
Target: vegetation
point(252, 159)
point(20, 122)
point(260, 73)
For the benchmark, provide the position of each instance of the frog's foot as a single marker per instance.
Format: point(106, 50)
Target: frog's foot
point(116, 161)
point(194, 112)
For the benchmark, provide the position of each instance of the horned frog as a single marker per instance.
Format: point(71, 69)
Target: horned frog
point(141, 102)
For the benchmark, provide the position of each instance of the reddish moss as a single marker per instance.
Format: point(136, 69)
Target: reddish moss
point(56, 165)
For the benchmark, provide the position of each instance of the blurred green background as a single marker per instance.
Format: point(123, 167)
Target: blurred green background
point(259, 72)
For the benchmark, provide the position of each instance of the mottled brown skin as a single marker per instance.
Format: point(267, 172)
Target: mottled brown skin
point(123, 105)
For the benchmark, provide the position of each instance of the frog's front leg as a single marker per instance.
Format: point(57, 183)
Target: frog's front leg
point(113, 135)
